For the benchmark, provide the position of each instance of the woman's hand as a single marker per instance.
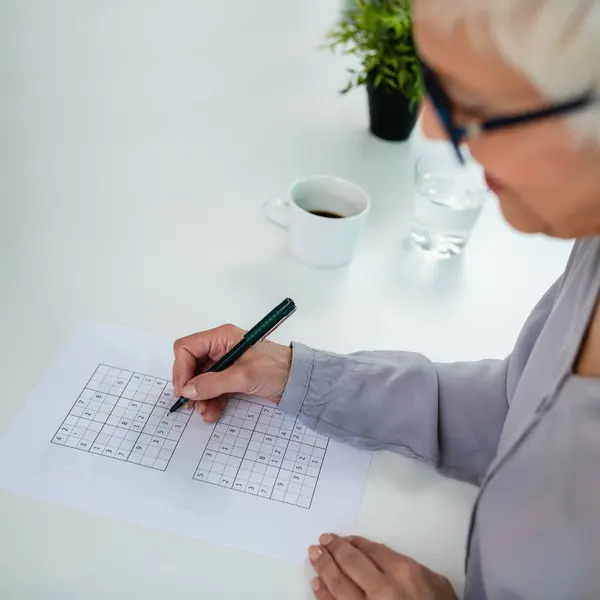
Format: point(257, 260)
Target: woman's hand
point(354, 568)
point(262, 371)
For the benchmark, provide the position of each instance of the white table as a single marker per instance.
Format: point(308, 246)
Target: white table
point(139, 140)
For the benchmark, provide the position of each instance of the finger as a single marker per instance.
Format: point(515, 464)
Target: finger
point(184, 367)
point(320, 589)
point(208, 386)
point(214, 409)
point(336, 582)
point(354, 563)
point(212, 344)
point(201, 365)
point(217, 406)
point(384, 557)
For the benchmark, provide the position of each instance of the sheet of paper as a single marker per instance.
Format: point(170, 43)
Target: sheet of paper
point(96, 435)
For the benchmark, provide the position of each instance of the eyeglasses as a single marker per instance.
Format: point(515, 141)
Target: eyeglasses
point(457, 135)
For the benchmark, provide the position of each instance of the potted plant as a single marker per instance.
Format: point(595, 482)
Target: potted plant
point(379, 34)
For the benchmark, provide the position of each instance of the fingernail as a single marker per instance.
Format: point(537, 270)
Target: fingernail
point(189, 391)
point(325, 539)
point(200, 407)
point(315, 584)
point(314, 552)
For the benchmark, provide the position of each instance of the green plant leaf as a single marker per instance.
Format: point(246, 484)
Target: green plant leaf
point(348, 87)
point(379, 34)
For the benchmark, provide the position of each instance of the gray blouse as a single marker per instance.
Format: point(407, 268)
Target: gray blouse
point(525, 429)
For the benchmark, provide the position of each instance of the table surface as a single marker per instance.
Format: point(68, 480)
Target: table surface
point(139, 141)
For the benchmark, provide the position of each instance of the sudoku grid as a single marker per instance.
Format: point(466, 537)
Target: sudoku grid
point(125, 416)
point(261, 451)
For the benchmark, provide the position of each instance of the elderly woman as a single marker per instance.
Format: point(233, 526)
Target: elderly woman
point(518, 83)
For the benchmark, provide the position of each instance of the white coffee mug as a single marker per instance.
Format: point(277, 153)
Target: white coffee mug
point(324, 217)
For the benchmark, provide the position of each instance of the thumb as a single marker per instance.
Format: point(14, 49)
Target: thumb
point(212, 385)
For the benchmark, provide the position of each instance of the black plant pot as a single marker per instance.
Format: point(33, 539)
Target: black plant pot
point(390, 113)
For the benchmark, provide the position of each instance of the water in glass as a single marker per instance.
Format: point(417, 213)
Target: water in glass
point(449, 199)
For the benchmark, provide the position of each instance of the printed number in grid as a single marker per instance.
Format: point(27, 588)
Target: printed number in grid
point(125, 416)
point(259, 450)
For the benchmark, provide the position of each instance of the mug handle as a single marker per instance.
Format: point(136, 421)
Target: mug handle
point(277, 211)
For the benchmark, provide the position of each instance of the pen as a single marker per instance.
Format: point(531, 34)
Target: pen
point(259, 332)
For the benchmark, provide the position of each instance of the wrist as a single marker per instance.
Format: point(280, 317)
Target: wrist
point(298, 382)
point(284, 368)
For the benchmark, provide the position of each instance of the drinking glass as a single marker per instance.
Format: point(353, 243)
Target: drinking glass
point(449, 199)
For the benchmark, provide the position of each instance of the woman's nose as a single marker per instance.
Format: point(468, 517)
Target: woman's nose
point(431, 126)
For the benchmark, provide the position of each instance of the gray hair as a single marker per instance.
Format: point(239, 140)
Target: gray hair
point(555, 43)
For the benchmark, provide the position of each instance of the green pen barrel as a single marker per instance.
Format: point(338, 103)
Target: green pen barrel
point(279, 314)
point(231, 356)
point(272, 320)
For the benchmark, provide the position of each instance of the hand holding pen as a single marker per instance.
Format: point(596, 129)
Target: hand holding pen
point(232, 361)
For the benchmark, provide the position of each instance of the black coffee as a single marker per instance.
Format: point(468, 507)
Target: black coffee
point(326, 213)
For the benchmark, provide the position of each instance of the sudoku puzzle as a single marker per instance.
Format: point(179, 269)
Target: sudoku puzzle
point(125, 416)
point(260, 450)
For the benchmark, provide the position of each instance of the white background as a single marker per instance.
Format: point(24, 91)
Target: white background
point(138, 141)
